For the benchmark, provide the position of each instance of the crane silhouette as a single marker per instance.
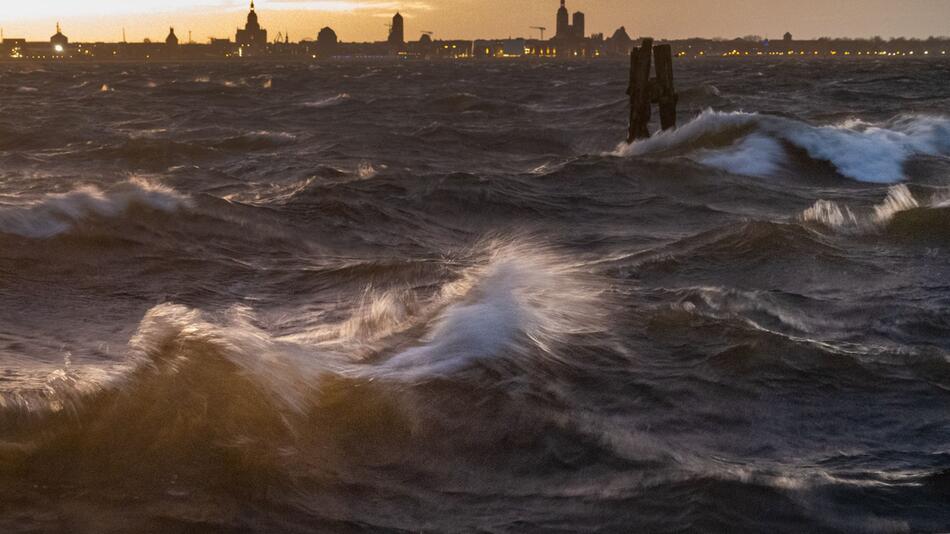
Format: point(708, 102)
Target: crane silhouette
point(541, 29)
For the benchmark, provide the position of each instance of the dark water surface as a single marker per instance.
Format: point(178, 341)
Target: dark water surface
point(442, 297)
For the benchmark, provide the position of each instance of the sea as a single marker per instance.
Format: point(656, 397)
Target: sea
point(406, 296)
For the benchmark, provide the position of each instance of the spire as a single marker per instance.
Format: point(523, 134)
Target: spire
point(562, 3)
point(252, 4)
point(57, 28)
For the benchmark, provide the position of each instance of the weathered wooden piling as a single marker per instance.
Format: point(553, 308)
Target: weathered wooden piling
point(666, 97)
point(644, 91)
point(639, 91)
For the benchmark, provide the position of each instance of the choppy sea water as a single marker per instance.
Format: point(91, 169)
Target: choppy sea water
point(445, 297)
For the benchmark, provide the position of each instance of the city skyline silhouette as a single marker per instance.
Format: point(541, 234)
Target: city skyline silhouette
point(365, 20)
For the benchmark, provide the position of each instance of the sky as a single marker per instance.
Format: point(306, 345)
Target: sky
point(365, 20)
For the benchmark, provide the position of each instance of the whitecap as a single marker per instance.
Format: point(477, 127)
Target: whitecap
point(756, 155)
point(523, 301)
point(842, 217)
point(749, 143)
point(57, 213)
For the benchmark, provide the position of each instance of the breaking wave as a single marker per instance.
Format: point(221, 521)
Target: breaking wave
point(519, 303)
point(754, 144)
point(852, 220)
point(522, 301)
point(58, 213)
point(900, 215)
point(320, 329)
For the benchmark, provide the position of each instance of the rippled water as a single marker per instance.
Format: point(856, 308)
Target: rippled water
point(446, 297)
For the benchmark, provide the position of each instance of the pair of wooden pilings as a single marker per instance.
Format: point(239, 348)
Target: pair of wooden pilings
point(645, 91)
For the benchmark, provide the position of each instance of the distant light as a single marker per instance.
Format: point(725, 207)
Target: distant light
point(58, 48)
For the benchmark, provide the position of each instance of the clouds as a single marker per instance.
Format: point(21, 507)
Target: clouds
point(51, 9)
point(347, 6)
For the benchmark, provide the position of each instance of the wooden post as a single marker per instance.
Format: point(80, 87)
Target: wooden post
point(666, 95)
point(644, 91)
point(639, 91)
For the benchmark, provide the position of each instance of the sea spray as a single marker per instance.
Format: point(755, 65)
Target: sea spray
point(842, 217)
point(664, 342)
point(522, 295)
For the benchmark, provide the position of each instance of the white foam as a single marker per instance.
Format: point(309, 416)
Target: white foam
point(830, 214)
point(843, 218)
point(748, 143)
point(692, 135)
point(366, 170)
point(288, 372)
point(749, 307)
point(899, 198)
point(517, 304)
point(867, 154)
point(378, 315)
point(327, 102)
point(756, 155)
point(284, 137)
point(522, 301)
point(57, 213)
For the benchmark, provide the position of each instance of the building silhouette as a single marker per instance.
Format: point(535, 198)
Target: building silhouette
point(58, 41)
point(578, 28)
point(620, 43)
point(327, 43)
point(172, 39)
point(397, 34)
point(563, 23)
point(567, 31)
point(252, 36)
point(327, 37)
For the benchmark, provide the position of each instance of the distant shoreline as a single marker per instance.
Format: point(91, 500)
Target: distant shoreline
point(391, 59)
point(16, 51)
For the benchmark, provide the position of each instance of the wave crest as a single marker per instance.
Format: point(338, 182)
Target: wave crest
point(842, 217)
point(58, 213)
point(523, 301)
point(752, 144)
point(328, 102)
